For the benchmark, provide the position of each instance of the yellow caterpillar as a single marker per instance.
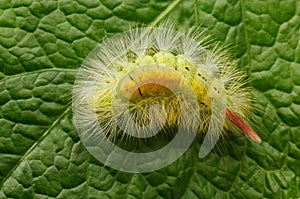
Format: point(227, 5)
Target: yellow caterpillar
point(147, 80)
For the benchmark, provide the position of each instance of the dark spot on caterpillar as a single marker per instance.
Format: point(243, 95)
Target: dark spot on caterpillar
point(187, 68)
point(131, 55)
point(216, 90)
point(202, 103)
point(140, 92)
point(151, 51)
point(204, 78)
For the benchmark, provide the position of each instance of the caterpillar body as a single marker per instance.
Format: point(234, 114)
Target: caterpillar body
point(150, 79)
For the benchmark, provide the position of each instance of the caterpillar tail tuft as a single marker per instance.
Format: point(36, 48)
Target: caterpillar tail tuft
point(242, 125)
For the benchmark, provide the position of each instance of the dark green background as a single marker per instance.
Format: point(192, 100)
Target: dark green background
point(42, 44)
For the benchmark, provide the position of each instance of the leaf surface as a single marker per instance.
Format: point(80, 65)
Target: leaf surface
point(43, 43)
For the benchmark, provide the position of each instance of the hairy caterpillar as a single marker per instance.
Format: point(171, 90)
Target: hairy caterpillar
point(150, 79)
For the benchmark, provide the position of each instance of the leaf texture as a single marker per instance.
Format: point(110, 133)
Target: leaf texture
point(43, 43)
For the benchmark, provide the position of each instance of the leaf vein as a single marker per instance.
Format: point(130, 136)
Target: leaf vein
point(46, 133)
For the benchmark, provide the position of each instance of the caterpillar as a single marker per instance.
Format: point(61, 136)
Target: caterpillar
point(152, 79)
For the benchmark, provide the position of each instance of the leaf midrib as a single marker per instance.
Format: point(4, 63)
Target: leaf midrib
point(38, 72)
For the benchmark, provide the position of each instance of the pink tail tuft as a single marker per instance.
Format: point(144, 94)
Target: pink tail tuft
point(241, 124)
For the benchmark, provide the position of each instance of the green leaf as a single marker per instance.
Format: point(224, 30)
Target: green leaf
point(43, 43)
